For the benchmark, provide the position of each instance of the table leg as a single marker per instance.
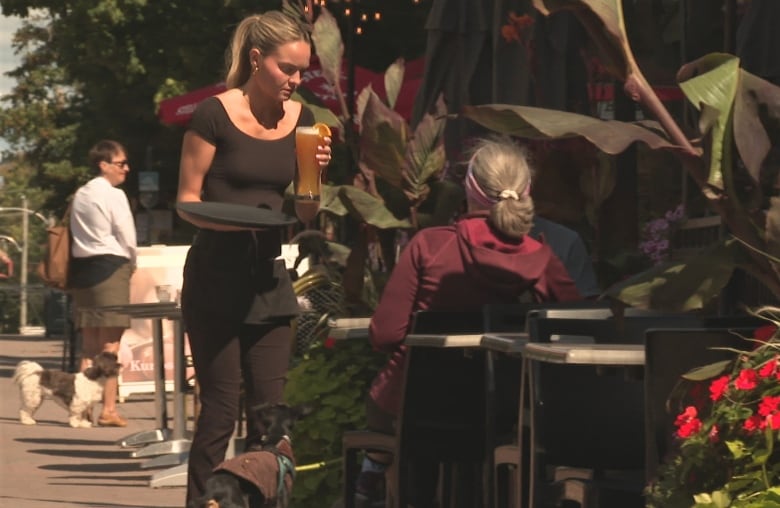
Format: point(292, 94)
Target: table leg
point(179, 382)
point(160, 397)
point(490, 428)
point(161, 432)
point(179, 445)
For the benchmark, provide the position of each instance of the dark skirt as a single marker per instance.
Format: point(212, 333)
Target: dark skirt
point(113, 290)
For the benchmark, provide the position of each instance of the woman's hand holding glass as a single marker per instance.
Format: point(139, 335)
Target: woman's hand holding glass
point(313, 154)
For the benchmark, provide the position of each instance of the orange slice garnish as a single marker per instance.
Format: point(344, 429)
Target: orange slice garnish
point(322, 129)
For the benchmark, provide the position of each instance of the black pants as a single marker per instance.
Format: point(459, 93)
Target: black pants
point(258, 356)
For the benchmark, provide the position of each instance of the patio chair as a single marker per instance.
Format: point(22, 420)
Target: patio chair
point(436, 411)
point(578, 322)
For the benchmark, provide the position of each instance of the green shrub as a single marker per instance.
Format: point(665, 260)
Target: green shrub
point(334, 375)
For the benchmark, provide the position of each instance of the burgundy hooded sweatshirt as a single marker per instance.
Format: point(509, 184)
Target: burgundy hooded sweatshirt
point(458, 267)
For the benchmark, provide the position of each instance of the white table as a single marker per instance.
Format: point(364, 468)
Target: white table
point(167, 446)
point(586, 354)
point(349, 328)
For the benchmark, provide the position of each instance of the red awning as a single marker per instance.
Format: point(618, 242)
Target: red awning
point(178, 110)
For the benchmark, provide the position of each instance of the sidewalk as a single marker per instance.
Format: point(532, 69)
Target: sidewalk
point(53, 465)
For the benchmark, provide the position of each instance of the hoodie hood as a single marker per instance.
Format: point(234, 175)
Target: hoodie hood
point(504, 264)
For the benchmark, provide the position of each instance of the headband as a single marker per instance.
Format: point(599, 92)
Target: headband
point(478, 196)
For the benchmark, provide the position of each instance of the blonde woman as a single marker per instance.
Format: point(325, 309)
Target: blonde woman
point(237, 298)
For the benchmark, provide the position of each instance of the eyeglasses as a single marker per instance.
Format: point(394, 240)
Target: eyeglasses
point(119, 164)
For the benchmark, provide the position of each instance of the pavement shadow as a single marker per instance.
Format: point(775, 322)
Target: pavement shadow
point(102, 467)
point(60, 441)
point(82, 453)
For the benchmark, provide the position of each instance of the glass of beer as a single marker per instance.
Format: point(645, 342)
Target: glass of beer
point(307, 176)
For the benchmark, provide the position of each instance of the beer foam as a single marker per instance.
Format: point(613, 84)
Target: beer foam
point(308, 130)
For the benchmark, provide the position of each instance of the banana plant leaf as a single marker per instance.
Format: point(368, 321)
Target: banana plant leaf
point(383, 137)
point(603, 19)
point(713, 93)
point(329, 46)
point(425, 154)
point(365, 208)
point(394, 78)
point(330, 200)
point(683, 285)
point(610, 136)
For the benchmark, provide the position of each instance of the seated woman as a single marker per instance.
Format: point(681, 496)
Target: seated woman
point(491, 246)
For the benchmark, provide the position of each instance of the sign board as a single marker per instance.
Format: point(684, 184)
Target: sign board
point(148, 181)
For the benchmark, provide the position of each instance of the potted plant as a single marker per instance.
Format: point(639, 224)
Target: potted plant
point(727, 441)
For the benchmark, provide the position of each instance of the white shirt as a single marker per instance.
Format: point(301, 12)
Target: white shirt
point(101, 221)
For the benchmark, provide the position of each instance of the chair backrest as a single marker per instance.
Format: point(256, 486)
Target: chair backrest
point(670, 353)
point(512, 317)
point(447, 321)
point(600, 326)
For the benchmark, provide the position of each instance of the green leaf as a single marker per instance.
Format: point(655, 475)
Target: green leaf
point(707, 371)
point(425, 156)
point(394, 78)
point(609, 136)
point(713, 91)
point(368, 209)
point(383, 138)
point(328, 46)
point(680, 286)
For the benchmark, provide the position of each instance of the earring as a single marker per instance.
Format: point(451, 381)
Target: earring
point(255, 68)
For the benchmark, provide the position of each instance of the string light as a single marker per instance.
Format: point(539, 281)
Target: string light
point(377, 16)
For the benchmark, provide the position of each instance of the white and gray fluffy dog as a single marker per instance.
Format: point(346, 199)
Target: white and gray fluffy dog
point(75, 392)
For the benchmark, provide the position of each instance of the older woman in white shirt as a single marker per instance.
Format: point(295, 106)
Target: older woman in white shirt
point(103, 256)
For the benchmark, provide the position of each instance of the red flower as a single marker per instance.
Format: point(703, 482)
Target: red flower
point(773, 421)
point(687, 422)
point(747, 380)
point(719, 387)
point(768, 406)
point(714, 434)
point(768, 368)
point(754, 423)
point(329, 343)
point(764, 333)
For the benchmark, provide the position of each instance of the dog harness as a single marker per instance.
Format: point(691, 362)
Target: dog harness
point(271, 470)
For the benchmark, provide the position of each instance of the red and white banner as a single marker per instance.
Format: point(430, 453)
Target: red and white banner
point(178, 110)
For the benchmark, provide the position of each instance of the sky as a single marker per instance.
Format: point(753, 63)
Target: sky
point(8, 60)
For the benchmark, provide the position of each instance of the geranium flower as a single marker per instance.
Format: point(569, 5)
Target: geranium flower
point(747, 380)
point(687, 422)
point(768, 406)
point(719, 387)
point(753, 423)
point(768, 368)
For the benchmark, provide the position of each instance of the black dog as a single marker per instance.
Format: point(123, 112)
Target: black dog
point(262, 476)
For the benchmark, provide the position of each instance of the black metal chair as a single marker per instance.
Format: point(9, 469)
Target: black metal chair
point(438, 411)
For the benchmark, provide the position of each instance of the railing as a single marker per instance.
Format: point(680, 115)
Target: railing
point(47, 308)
